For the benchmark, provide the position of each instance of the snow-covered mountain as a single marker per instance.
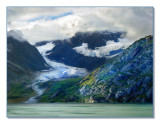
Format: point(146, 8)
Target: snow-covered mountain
point(86, 49)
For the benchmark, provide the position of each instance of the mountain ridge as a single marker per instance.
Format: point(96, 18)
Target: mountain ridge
point(126, 79)
point(64, 50)
point(23, 61)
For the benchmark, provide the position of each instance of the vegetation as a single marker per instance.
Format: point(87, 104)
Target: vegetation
point(60, 91)
point(19, 92)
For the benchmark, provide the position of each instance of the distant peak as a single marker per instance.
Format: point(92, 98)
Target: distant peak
point(16, 35)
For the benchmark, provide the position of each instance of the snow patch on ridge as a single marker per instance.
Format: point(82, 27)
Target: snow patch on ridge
point(103, 51)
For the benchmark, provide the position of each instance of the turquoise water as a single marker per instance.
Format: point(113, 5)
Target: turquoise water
point(79, 110)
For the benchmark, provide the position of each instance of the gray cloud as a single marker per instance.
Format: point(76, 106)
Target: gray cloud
point(136, 21)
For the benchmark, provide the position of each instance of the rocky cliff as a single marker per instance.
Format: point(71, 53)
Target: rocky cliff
point(127, 79)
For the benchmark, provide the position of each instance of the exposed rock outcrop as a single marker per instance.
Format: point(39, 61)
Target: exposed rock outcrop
point(128, 79)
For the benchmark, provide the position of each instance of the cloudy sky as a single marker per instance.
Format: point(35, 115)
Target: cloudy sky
point(51, 23)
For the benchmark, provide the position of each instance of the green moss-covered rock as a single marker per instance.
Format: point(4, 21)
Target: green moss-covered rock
point(127, 79)
point(60, 91)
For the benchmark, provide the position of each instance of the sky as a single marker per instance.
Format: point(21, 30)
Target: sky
point(52, 23)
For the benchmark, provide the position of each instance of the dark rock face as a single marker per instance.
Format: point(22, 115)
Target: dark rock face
point(95, 39)
point(25, 55)
point(22, 60)
point(41, 43)
point(63, 51)
point(127, 79)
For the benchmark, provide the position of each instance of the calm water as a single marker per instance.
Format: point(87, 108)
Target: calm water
point(80, 110)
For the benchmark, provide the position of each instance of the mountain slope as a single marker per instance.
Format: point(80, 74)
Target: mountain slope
point(65, 52)
point(126, 79)
point(95, 39)
point(24, 55)
point(23, 60)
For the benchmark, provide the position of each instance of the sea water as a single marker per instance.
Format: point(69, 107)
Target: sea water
point(71, 110)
